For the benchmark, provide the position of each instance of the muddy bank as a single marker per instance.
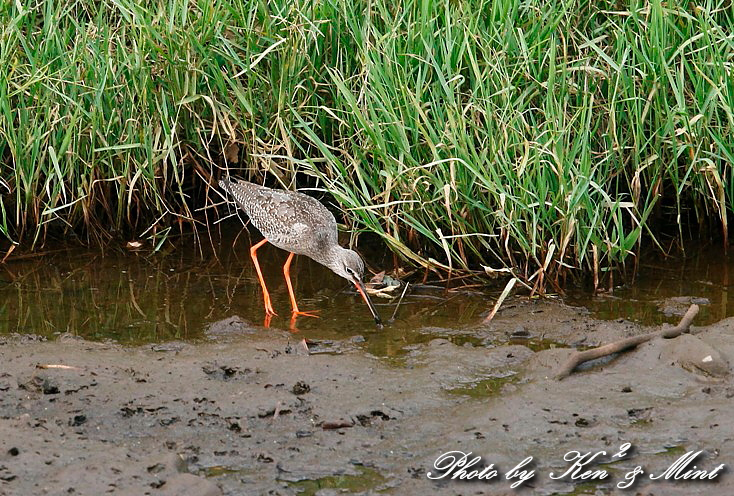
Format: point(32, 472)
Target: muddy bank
point(252, 412)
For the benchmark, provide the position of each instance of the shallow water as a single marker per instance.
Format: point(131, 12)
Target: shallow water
point(139, 297)
point(145, 297)
point(702, 275)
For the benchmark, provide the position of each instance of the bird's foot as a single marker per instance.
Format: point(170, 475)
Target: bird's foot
point(310, 313)
point(297, 313)
point(269, 311)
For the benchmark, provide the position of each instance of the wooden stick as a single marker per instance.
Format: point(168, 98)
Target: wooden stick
point(392, 319)
point(56, 366)
point(584, 356)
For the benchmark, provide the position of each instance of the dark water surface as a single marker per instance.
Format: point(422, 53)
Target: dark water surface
point(143, 297)
point(702, 275)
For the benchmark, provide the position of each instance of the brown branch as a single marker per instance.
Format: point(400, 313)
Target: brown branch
point(584, 356)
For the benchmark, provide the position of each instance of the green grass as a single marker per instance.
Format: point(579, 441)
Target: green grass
point(548, 137)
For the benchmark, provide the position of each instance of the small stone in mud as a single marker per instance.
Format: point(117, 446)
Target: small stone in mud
point(302, 434)
point(627, 389)
point(520, 333)
point(233, 425)
point(582, 422)
point(49, 386)
point(77, 420)
point(13, 451)
point(337, 424)
point(357, 339)
point(300, 388)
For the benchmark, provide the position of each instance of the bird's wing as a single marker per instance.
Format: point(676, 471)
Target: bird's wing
point(293, 221)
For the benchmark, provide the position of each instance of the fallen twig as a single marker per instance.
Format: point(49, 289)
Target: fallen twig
point(584, 356)
point(392, 319)
point(57, 366)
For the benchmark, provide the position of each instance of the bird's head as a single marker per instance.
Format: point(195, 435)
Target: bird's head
point(350, 266)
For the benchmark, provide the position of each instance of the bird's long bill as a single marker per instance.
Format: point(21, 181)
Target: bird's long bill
point(360, 287)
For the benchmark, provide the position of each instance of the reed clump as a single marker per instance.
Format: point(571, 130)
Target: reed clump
point(544, 137)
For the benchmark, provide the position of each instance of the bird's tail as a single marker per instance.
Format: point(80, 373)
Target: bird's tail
point(226, 185)
point(238, 190)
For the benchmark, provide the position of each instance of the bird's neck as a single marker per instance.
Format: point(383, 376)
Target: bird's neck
point(331, 257)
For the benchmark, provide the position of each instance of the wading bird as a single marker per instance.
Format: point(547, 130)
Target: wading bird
point(300, 225)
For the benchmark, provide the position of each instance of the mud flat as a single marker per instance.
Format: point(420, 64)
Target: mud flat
point(253, 412)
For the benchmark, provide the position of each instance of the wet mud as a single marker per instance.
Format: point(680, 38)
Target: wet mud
point(245, 410)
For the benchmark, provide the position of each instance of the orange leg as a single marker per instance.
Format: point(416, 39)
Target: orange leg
point(266, 296)
point(287, 274)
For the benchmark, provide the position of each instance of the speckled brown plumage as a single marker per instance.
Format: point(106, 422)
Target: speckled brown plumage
point(289, 220)
point(299, 224)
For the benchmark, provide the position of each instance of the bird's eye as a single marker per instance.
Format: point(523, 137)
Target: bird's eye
point(350, 271)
